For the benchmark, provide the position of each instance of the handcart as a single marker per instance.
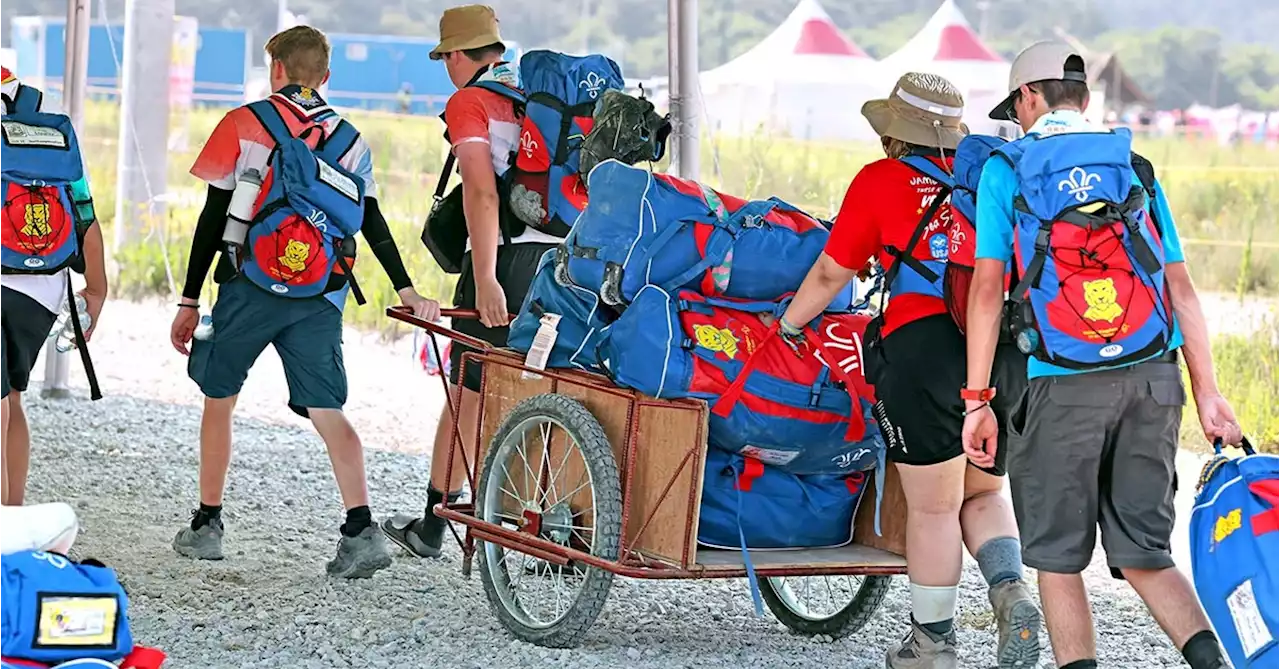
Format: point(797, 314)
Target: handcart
point(577, 480)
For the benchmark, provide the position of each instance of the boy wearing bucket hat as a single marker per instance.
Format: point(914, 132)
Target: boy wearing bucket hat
point(896, 211)
point(483, 129)
point(1097, 438)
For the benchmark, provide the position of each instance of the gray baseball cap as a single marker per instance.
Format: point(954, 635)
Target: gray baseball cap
point(1042, 61)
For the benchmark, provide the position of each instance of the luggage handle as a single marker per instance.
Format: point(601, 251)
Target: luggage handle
point(1244, 445)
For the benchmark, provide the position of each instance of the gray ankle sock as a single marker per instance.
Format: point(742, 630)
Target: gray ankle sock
point(1000, 560)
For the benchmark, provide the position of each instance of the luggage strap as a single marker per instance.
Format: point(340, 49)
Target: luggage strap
point(751, 469)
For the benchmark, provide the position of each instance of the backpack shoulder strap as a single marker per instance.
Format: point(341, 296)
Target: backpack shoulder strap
point(339, 142)
point(269, 116)
point(904, 256)
point(501, 89)
point(930, 169)
point(27, 99)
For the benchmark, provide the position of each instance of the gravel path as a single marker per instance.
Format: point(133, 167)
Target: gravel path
point(128, 463)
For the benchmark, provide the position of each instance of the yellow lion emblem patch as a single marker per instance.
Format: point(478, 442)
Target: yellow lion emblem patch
point(295, 255)
point(36, 217)
point(716, 339)
point(1225, 525)
point(1100, 295)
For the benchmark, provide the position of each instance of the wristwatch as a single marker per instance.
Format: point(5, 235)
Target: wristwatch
point(983, 395)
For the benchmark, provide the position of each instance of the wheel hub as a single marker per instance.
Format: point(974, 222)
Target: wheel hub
point(554, 524)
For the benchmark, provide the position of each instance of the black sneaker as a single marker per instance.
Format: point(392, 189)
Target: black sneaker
point(421, 537)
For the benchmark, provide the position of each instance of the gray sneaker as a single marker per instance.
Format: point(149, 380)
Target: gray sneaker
point(1018, 619)
point(922, 650)
point(360, 556)
point(202, 544)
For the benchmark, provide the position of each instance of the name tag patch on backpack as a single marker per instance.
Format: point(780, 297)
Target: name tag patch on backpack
point(22, 134)
point(76, 621)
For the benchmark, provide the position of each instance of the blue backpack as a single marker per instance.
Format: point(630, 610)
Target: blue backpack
point(558, 96)
point(1092, 292)
point(1235, 555)
point(43, 225)
point(925, 275)
point(582, 319)
point(971, 157)
point(641, 228)
point(56, 610)
point(305, 230)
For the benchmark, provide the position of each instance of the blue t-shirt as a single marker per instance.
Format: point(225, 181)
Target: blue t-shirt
point(996, 191)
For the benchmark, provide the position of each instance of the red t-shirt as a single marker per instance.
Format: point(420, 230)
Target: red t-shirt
point(882, 208)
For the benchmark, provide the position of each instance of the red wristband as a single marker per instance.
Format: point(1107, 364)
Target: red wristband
point(983, 395)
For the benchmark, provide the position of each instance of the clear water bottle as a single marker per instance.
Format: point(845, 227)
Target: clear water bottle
point(204, 329)
point(65, 330)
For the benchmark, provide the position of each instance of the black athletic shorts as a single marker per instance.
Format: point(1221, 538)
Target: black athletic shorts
point(924, 370)
point(517, 264)
point(26, 324)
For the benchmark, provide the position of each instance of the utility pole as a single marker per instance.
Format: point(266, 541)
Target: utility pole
point(682, 59)
point(57, 366)
point(144, 117)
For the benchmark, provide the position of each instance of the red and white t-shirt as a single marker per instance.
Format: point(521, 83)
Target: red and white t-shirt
point(240, 141)
point(882, 208)
point(478, 115)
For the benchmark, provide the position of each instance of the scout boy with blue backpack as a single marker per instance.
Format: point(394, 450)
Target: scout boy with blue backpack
point(1103, 304)
point(49, 227)
point(290, 185)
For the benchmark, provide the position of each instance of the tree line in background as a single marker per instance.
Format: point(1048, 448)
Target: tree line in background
point(1180, 51)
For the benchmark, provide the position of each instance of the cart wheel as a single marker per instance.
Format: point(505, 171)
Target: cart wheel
point(550, 473)
point(836, 606)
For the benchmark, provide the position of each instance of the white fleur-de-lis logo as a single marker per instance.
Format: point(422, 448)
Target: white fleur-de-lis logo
point(593, 83)
point(528, 144)
point(848, 459)
point(1079, 183)
point(318, 218)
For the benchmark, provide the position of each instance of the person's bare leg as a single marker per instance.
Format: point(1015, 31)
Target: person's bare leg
point(346, 454)
point(1067, 615)
point(1172, 602)
point(934, 494)
point(4, 450)
point(202, 537)
point(215, 448)
point(442, 478)
point(19, 451)
point(991, 535)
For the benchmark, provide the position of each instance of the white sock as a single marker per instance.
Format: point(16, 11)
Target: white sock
point(933, 603)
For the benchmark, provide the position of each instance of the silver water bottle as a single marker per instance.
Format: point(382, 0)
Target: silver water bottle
point(65, 330)
point(240, 213)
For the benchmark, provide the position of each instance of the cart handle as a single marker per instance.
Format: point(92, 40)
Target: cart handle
point(406, 315)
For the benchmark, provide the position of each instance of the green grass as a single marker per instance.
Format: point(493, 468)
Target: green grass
point(1225, 199)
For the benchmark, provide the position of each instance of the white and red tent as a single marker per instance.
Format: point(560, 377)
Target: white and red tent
point(806, 80)
point(948, 46)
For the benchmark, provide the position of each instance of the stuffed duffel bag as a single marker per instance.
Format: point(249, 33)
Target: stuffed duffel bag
point(747, 503)
point(787, 411)
point(1234, 554)
point(641, 228)
point(60, 612)
point(574, 315)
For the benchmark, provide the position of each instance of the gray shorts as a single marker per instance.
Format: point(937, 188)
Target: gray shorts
point(1097, 450)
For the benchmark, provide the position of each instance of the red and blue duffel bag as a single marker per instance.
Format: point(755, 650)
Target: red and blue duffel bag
point(746, 503)
point(574, 313)
point(1234, 554)
point(787, 410)
point(641, 228)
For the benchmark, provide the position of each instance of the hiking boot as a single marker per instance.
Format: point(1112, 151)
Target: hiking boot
point(421, 537)
point(359, 556)
point(1018, 618)
point(921, 649)
point(204, 543)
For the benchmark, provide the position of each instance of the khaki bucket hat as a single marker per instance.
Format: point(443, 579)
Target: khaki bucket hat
point(466, 27)
point(923, 109)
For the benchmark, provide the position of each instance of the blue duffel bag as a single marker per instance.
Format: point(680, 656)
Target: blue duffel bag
point(1234, 554)
point(641, 228)
point(581, 319)
point(748, 504)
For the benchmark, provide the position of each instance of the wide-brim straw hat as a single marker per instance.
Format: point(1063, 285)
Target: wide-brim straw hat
point(923, 109)
point(466, 27)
